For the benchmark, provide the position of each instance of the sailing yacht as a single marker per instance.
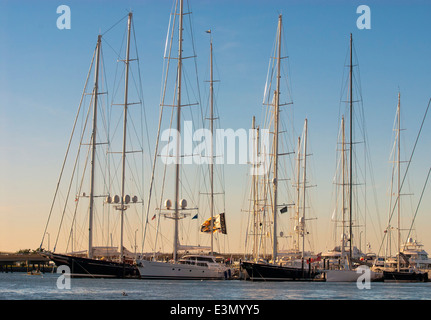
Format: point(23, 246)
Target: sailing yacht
point(108, 260)
point(197, 267)
point(276, 270)
point(395, 269)
point(344, 260)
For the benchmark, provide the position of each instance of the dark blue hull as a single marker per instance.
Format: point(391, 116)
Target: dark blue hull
point(405, 276)
point(92, 268)
point(269, 272)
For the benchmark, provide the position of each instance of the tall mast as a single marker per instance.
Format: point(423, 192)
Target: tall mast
point(304, 180)
point(123, 207)
point(177, 167)
point(298, 193)
point(93, 149)
point(343, 187)
point(276, 132)
point(254, 232)
point(255, 191)
point(399, 180)
point(351, 150)
point(212, 143)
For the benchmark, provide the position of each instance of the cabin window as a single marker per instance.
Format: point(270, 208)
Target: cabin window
point(205, 259)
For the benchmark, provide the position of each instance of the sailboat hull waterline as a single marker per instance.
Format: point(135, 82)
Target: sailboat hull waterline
point(405, 276)
point(81, 267)
point(188, 268)
point(350, 275)
point(270, 272)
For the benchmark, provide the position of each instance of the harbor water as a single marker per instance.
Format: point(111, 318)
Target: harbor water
point(195, 299)
point(22, 286)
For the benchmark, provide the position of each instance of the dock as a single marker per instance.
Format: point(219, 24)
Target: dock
point(23, 262)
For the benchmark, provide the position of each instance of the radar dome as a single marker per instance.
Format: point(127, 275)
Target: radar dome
point(183, 203)
point(168, 204)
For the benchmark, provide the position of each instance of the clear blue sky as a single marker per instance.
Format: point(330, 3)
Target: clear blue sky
point(43, 69)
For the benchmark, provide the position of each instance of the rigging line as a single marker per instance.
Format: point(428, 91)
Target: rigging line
point(76, 204)
point(408, 166)
point(73, 172)
point(169, 28)
point(370, 168)
point(115, 85)
point(104, 179)
point(195, 62)
point(102, 91)
point(270, 75)
point(344, 75)
point(162, 100)
point(247, 194)
point(135, 130)
point(114, 50)
point(286, 68)
point(411, 156)
point(116, 88)
point(113, 26)
point(68, 148)
point(187, 184)
point(164, 171)
point(142, 98)
point(197, 84)
point(392, 158)
point(118, 54)
point(417, 208)
point(133, 168)
point(115, 169)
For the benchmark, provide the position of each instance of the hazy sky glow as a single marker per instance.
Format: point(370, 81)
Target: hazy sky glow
point(43, 69)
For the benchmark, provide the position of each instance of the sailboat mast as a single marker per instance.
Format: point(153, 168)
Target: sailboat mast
point(304, 180)
point(351, 150)
point(123, 208)
point(254, 177)
point(93, 149)
point(399, 181)
point(298, 193)
point(276, 132)
point(343, 187)
point(256, 208)
point(212, 143)
point(177, 167)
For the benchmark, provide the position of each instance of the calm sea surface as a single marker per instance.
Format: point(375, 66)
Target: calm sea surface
point(21, 286)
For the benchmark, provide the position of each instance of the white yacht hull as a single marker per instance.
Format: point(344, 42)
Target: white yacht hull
point(167, 270)
point(350, 275)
